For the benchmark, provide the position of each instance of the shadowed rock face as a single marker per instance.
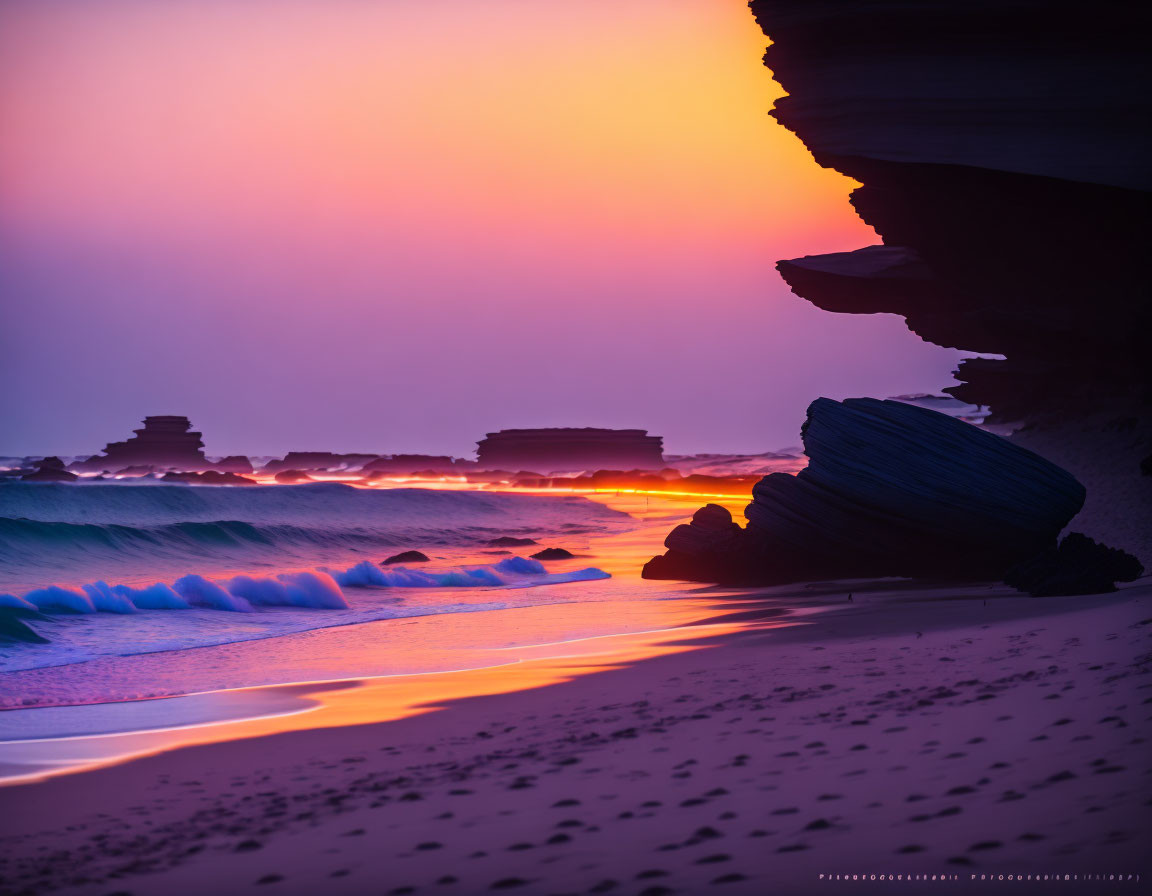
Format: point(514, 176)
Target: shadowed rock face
point(1002, 149)
point(1078, 566)
point(890, 490)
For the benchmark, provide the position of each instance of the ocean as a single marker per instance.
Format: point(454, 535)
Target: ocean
point(103, 569)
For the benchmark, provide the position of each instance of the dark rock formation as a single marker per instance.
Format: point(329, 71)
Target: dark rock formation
point(50, 469)
point(292, 477)
point(1002, 150)
point(165, 442)
point(711, 548)
point(510, 541)
point(1078, 566)
point(410, 464)
point(235, 463)
point(208, 477)
point(546, 450)
point(318, 462)
point(139, 470)
point(553, 554)
point(405, 557)
point(890, 489)
point(668, 481)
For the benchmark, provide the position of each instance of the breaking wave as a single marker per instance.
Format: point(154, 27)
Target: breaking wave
point(49, 531)
point(112, 569)
point(314, 588)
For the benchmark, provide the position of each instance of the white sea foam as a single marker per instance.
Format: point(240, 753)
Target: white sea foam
point(312, 588)
point(97, 569)
point(84, 532)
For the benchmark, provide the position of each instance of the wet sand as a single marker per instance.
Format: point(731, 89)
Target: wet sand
point(912, 730)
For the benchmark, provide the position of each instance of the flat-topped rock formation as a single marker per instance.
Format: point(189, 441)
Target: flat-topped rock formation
point(547, 450)
point(890, 489)
point(165, 442)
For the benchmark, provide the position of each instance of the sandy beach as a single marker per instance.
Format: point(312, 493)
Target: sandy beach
point(950, 737)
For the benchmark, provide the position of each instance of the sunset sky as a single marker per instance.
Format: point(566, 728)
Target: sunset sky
point(394, 225)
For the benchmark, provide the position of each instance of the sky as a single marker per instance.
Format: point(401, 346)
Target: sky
point(395, 225)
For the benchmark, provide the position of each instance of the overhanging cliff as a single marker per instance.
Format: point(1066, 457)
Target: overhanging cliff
point(1002, 149)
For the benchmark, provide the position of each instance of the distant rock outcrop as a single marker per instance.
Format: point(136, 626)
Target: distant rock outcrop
point(553, 554)
point(401, 464)
point(890, 489)
point(235, 463)
point(208, 477)
point(510, 541)
point(165, 442)
point(406, 557)
point(292, 477)
point(50, 469)
point(318, 462)
point(547, 450)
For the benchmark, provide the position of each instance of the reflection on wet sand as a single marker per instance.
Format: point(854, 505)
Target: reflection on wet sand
point(34, 746)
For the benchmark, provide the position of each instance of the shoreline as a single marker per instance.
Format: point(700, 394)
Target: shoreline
point(174, 822)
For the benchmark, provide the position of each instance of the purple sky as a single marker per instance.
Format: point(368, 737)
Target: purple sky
point(392, 227)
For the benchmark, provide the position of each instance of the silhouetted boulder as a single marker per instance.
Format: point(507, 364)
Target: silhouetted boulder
point(706, 549)
point(553, 554)
point(510, 541)
point(405, 557)
point(890, 489)
point(1078, 566)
